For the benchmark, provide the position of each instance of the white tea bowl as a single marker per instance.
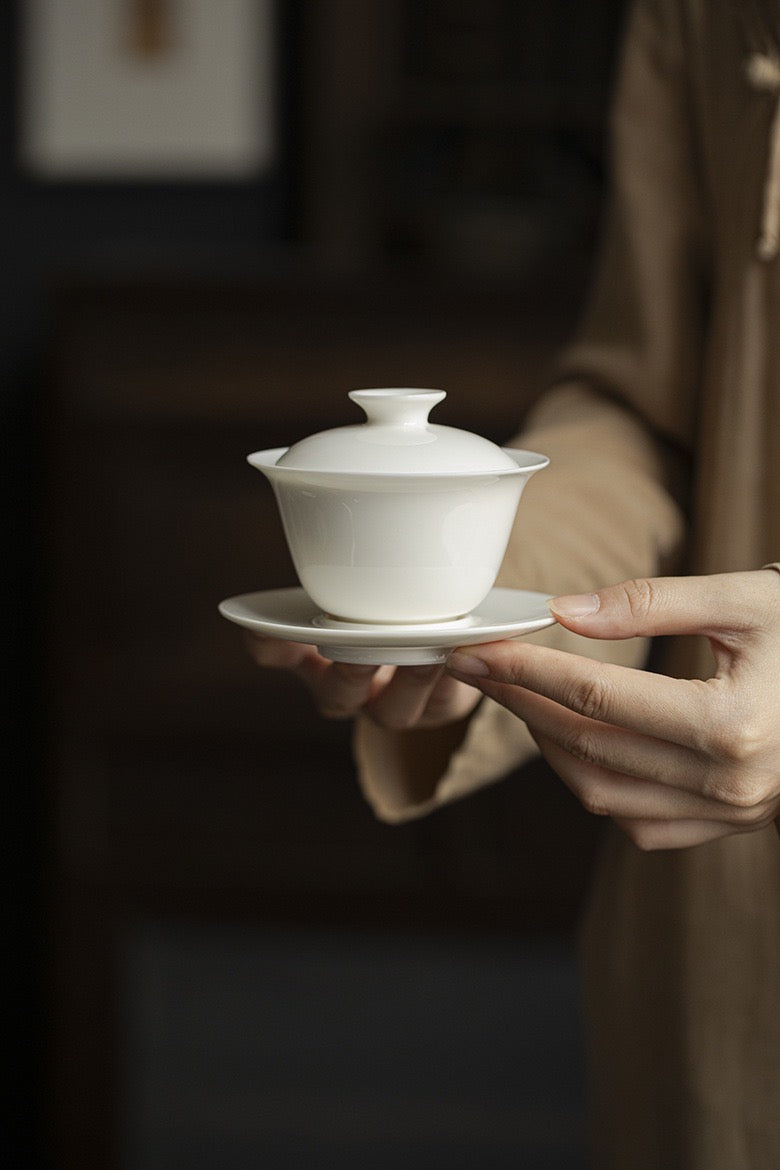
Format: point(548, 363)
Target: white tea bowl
point(396, 520)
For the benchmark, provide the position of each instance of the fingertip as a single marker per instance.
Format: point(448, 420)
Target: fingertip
point(464, 664)
point(276, 653)
point(575, 606)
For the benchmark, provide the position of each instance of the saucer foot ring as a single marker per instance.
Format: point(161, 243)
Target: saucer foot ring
point(386, 655)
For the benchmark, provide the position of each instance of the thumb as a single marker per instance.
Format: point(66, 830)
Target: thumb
point(651, 606)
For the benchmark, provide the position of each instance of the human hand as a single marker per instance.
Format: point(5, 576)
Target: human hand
point(398, 698)
point(675, 762)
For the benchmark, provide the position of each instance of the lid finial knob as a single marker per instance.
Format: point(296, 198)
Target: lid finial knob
point(397, 408)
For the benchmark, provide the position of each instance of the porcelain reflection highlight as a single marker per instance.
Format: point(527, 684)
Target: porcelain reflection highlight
point(395, 519)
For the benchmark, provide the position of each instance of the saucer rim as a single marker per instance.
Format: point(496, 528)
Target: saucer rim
point(379, 635)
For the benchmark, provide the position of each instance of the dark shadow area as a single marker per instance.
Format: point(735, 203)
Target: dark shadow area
point(188, 860)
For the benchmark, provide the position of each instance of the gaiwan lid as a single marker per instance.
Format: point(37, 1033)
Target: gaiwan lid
point(397, 438)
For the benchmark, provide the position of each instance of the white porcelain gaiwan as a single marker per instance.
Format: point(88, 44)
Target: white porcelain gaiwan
point(396, 519)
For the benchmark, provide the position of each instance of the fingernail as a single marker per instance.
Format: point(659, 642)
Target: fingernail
point(461, 663)
point(579, 605)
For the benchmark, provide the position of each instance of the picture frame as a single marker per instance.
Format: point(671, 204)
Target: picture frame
point(146, 90)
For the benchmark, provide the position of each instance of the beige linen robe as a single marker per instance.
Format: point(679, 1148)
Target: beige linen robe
point(676, 369)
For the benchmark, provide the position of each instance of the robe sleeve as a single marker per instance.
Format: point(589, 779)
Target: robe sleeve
point(598, 514)
point(615, 423)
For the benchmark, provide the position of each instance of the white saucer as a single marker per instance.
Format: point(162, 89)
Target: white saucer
point(290, 614)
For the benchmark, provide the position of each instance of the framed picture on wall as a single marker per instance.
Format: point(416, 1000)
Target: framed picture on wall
point(139, 90)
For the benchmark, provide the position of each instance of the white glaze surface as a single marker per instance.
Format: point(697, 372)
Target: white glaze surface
point(396, 437)
point(390, 555)
point(395, 520)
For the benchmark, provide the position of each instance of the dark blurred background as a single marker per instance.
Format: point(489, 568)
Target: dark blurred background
point(219, 216)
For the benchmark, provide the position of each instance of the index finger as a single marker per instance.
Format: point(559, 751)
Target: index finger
point(666, 708)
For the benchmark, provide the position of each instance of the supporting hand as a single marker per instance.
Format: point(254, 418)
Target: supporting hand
point(397, 698)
